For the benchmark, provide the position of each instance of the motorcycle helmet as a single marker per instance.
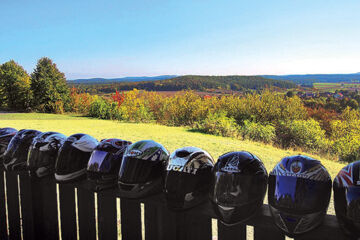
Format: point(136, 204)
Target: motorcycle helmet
point(347, 199)
point(104, 164)
point(43, 152)
point(6, 134)
point(73, 157)
point(299, 194)
point(187, 178)
point(142, 169)
point(16, 153)
point(238, 186)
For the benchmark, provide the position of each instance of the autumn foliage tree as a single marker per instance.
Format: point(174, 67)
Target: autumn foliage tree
point(118, 97)
point(15, 93)
point(51, 93)
point(80, 102)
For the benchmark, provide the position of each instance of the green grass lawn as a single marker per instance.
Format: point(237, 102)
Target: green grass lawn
point(171, 137)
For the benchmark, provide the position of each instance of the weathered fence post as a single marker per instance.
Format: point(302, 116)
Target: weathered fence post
point(86, 211)
point(130, 219)
point(3, 225)
point(28, 214)
point(12, 193)
point(106, 201)
point(160, 223)
point(231, 232)
point(67, 211)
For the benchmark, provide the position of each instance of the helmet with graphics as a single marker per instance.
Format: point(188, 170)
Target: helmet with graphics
point(73, 157)
point(16, 153)
point(43, 152)
point(299, 194)
point(104, 164)
point(6, 134)
point(142, 169)
point(187, 178)
point(238, 186)
point(347, 199)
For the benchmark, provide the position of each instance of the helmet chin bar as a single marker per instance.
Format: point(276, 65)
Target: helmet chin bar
point(140, 190)
point(70, 176)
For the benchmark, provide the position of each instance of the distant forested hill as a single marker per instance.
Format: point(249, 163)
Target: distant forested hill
point(193, 82)
point(308, 79)
point(124, 79)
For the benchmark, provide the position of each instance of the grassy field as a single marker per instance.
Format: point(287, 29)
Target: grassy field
point(330, 87)
point(171, 137)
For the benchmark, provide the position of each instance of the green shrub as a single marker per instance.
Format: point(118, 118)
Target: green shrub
point(346, 139)
point(100, 108)
point(218, 124)
point(257, 132)
point(306, 134)
point(267, 108)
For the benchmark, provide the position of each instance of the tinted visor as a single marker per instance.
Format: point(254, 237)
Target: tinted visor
point(134, 170)
point(37, 158)
point(100, 161)
point(299, 195)
point(234, 189)
point(12, 147)
point(71, 159)
point(353, 203)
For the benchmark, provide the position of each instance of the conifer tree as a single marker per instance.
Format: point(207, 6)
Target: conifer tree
point(49, 87)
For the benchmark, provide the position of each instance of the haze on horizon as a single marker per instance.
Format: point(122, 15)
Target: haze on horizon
point(109, 39)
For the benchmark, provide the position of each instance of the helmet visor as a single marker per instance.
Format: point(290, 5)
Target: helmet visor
point(353, 203)
point(134, 170)
point(237, 189)
point(99, 162)
point(298, 194)
point(71, 159)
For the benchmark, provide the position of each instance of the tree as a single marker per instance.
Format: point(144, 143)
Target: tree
point(49, 87)
point(15, 93)
point(290, 94)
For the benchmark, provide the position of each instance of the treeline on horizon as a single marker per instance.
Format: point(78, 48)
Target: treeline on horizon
point(189, 82)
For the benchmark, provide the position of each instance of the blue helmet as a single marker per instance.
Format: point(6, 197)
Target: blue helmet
point(299, 194)
point(347, 199)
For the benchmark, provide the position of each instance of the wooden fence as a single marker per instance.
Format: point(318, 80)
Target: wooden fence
point(33, 205)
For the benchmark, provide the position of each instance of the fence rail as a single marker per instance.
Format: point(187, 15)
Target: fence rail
point(34, 208)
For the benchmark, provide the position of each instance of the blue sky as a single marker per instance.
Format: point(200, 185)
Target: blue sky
point(135, 38)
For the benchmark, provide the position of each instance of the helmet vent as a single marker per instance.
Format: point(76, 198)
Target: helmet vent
point(182, 153)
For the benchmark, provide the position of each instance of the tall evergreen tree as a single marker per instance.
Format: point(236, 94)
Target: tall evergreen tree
point(49, 87)
point(15, 93)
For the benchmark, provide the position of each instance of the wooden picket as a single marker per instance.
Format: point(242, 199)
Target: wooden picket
point(35, 205)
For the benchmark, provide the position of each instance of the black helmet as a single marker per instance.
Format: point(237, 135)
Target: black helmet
point(43, 152)
point(299, 194)
point(347, 199)
point(239, 182)
point(73, 157)
point(16, 153)
point(104, 164)
point(6, 134)
point(187, 178)
point(142, 169)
